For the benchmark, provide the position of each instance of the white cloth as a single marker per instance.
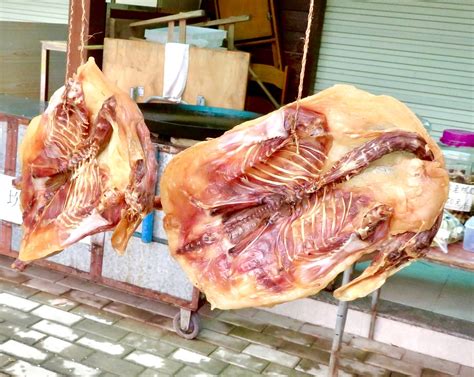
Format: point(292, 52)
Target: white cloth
point(175, 73)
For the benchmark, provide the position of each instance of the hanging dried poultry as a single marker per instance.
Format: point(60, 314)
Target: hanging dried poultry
point(274, 209)
point(88, 165)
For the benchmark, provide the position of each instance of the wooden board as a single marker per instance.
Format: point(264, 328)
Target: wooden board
point(218, 75)
point(259, 25)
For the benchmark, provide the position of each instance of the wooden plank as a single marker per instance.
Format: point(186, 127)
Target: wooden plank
point(218, 75)
point(165, 19)
point(259, 25)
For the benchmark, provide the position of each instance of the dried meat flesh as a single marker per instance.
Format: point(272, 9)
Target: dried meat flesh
point(277, 207)
point(88, 165)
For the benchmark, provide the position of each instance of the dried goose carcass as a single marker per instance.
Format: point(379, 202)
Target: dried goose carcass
point(88, 165)
point(269, 213)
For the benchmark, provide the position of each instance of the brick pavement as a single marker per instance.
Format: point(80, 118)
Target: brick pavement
point(52, 325)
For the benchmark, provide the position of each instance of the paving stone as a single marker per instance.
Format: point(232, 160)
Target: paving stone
point(222, 340)
point(153, 361)
point(198, 346)
point(80, 284)
point(161, 308)
point(141, 328)
point(433, 373)
point(214, 325)
point(56, 315)
point(290, 335)
point(255, 337)
point(59, 302)
point(233, 371)
point(281, 371)
point(206, 311)
point(96, 315)
point(150, 345)
point(426, 361)
point(246, 313)
point(377, 347)
point(17, 316)
point(466, 371)
point(19, 290)
point(277, 319)
point(162, 321)
point(43, 273)
point(393, 364)
point(20, 333)
point(23, 351)
point(322, 332)
point(272, 355)
point(361, 369)
point(63, 348)
point(104, 345)
point(120, 296)
point(317, 369)
point(70, 368)
point(23, 369)
point(320, 356)
point(86, 298)
point(249, 323)
point(46, 286)
point(128, 311)
point(17, 302)
point(12, 276)
point(57, 330)
point(119, 367)
point(241, 360)
point(345, 351)
point(191, 372)
point(198, 361)
point(153, 373)
point(107, 331)
point(5, 359)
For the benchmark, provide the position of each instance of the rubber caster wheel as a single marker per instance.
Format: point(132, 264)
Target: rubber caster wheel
point(193, 330)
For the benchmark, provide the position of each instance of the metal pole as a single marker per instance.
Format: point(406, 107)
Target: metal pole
point(340, 324)
point(373, 312)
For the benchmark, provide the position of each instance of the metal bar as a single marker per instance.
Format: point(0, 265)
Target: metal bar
point(339, 329)
point(373, 312)
point(185, 319)
point(44, 72)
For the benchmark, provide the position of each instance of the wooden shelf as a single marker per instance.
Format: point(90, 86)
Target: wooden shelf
point(456, 257)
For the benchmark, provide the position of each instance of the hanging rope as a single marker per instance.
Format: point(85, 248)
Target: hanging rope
point(83, 30)
point(69, 34)
point(303, 69)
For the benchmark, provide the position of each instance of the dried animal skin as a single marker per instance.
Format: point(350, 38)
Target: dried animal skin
point(88, 165)
point(269, 213)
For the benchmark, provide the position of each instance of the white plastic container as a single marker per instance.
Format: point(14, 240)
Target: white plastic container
point(468, 243)
point(196, 36)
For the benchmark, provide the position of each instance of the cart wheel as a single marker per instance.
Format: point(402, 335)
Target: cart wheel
point(193, 330)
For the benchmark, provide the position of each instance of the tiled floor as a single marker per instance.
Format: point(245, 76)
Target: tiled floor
point(48, 327)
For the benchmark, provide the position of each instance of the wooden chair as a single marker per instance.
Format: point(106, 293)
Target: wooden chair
point(268, 74)
point(261, 29)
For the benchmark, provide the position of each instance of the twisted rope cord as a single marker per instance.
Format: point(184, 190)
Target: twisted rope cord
point(83, 29)
point(303, 69)
point(69, 33)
